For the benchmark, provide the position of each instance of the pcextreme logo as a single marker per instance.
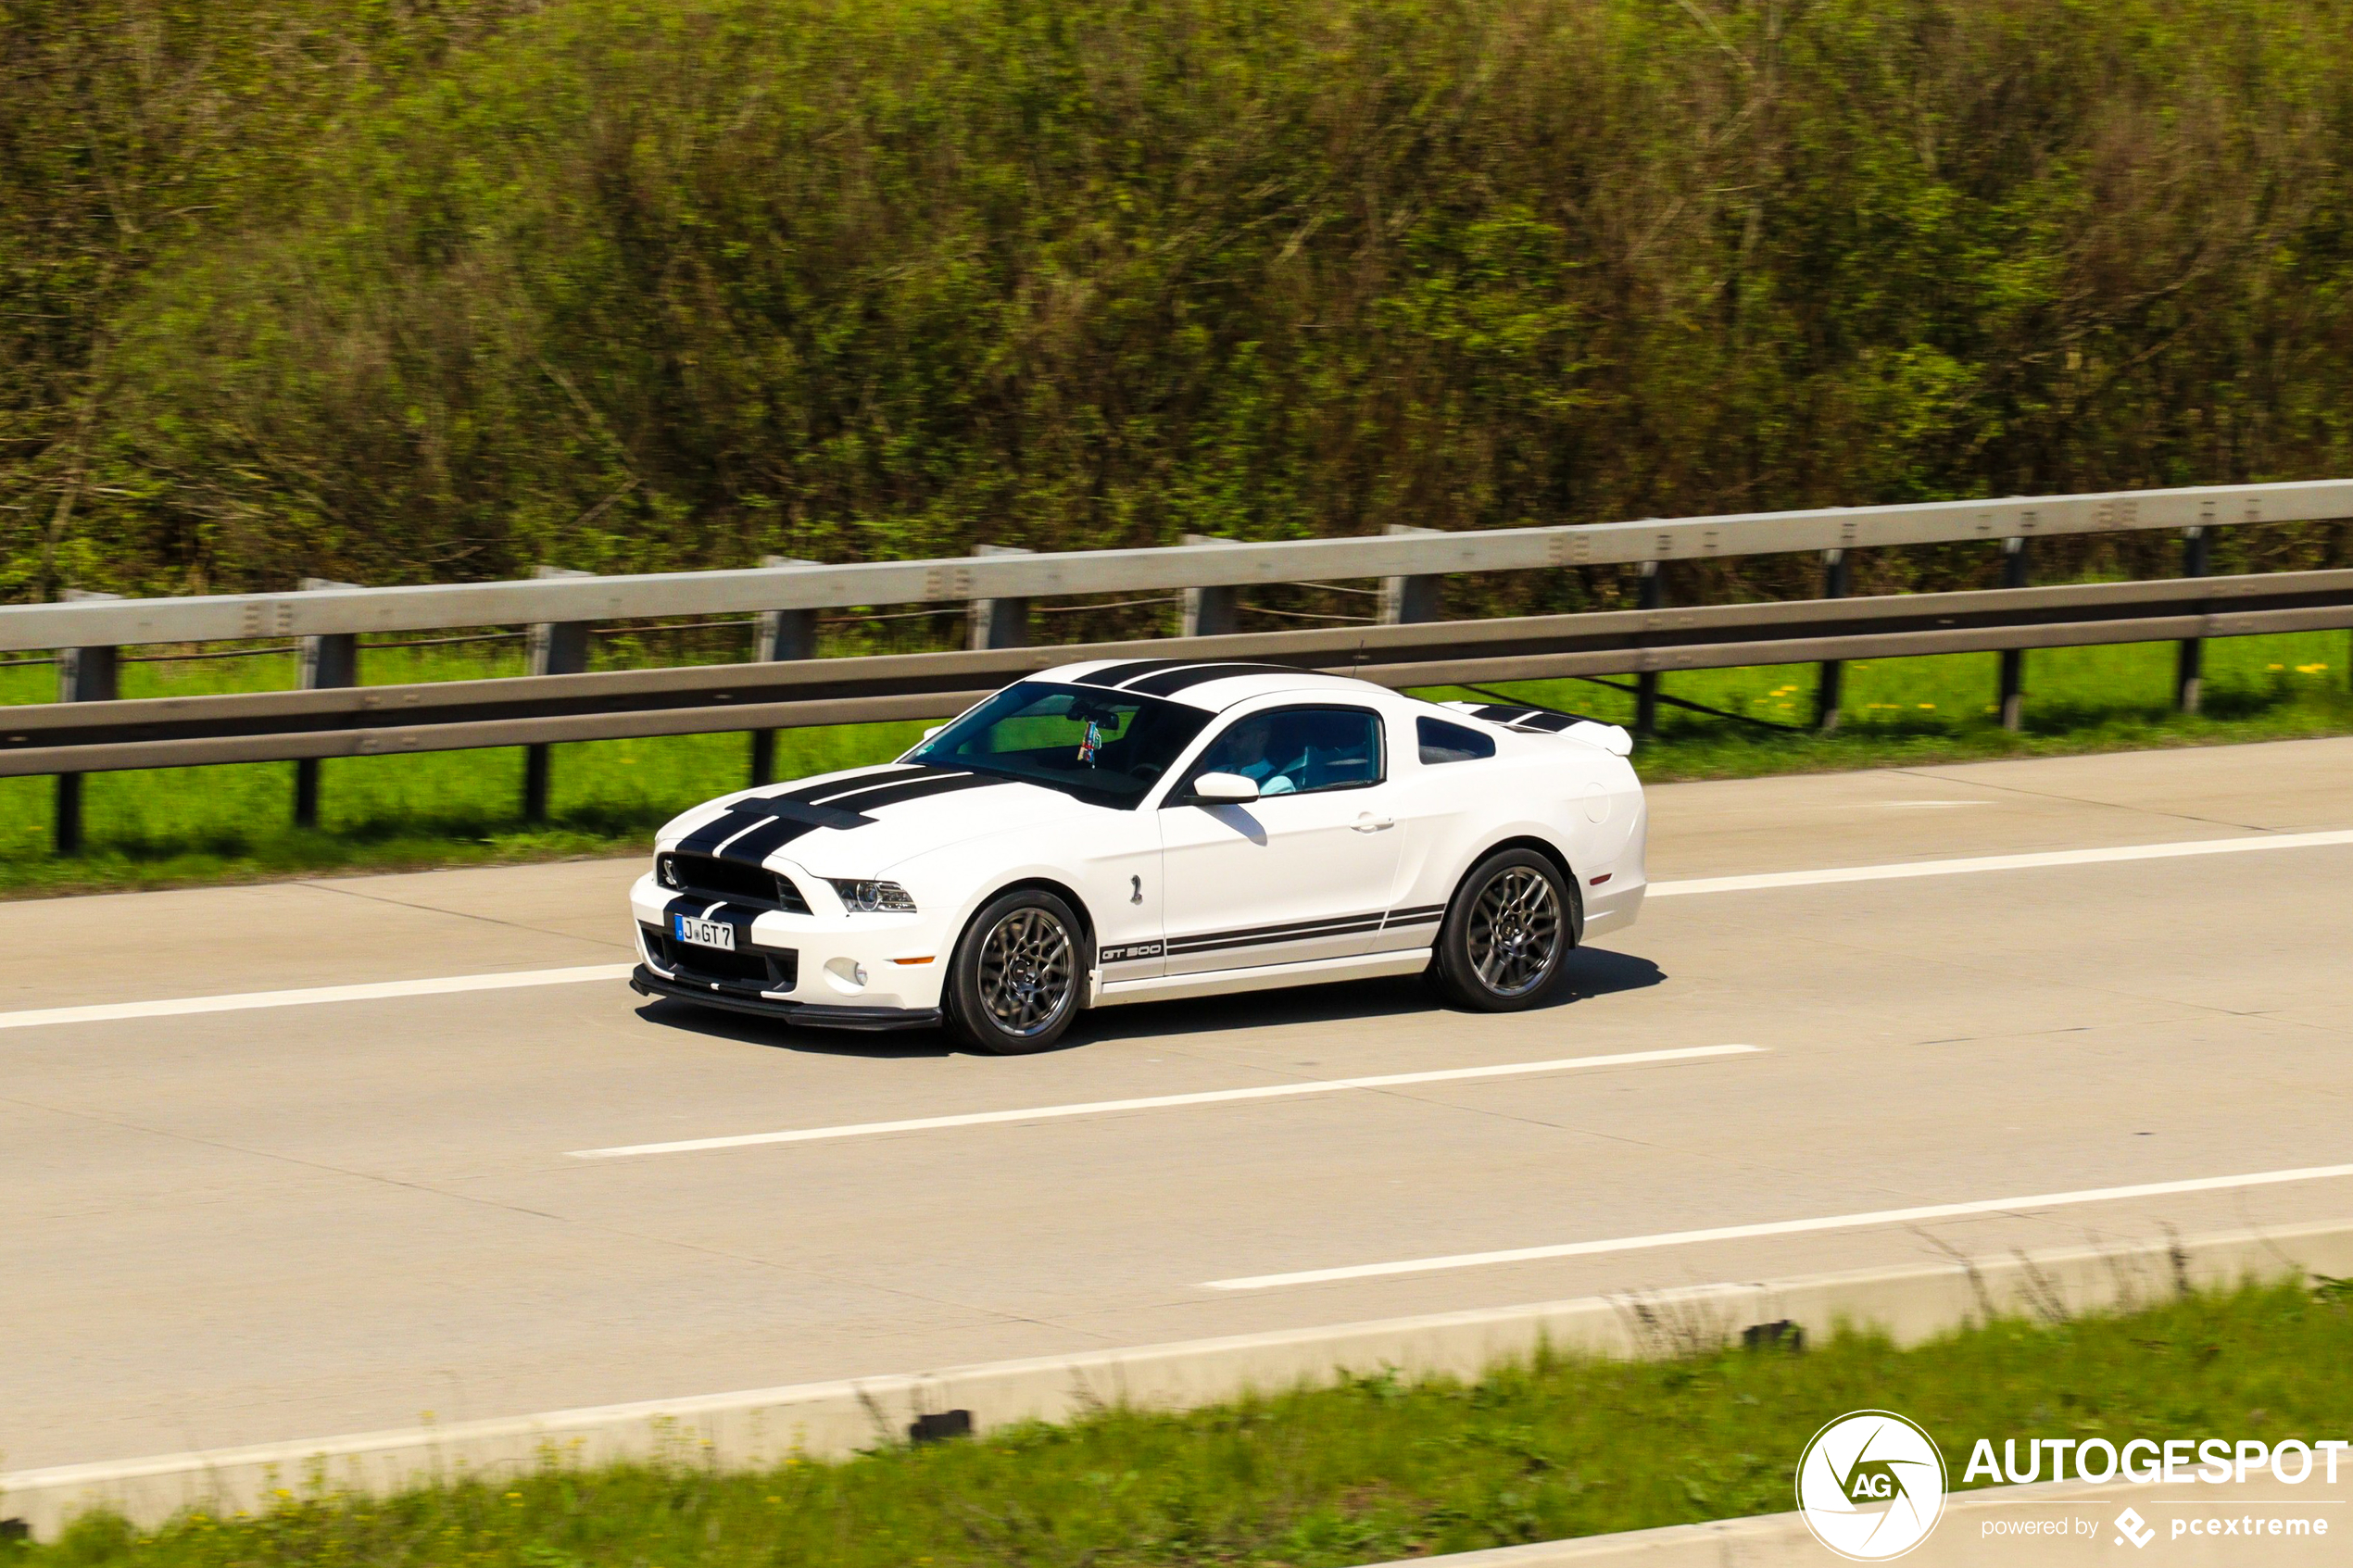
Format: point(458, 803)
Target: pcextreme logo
point(1870, 1485)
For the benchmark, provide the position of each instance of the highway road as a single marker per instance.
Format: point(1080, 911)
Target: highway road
point(291, 1220)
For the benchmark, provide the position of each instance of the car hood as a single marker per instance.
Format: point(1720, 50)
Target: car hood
point(865, 821)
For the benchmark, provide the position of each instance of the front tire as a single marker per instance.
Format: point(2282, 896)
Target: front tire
point(1016, 982)
point(1505, 945)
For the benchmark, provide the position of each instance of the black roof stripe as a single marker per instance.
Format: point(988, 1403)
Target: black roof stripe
point(1167, 683)
point(1113, 674)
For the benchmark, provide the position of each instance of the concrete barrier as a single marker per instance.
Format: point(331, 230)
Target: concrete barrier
point(755, 1427)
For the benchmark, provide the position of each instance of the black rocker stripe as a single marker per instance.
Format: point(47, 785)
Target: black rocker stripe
point(1112, 674)
point(1427, 915)
point(1168, 683)
point(1296, 931)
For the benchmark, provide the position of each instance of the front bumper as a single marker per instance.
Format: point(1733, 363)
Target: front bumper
point(646, 982)
point(829, 961)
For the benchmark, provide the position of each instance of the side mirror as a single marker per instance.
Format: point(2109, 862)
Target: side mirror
point(934, 731)
point(1225, 789)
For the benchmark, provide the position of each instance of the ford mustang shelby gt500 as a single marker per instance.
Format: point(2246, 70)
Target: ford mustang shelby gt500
point(1112, 832)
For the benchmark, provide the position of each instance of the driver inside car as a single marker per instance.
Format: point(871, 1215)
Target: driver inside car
point(1271, 753)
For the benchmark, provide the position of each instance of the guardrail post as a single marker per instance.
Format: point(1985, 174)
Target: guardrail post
point(778, 635)
point(2189, 664)
point(83, 675)
point(329, 660)
point(1000, 623)
point(1650, 594)
point(2013, 692)
point(558, 647)
point(1830, 683)
point(1210, 612)
point(1410, 600)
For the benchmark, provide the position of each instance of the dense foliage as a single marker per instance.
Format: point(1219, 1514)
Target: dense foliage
point(389, 290)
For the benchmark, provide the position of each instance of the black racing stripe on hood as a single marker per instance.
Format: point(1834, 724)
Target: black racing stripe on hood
point(1170, 682)
point(741, 815)
point(765, 838)
point(803, 805)
point(918, 789)
point(833, 789)
point(1110, 675)
point(751, 829)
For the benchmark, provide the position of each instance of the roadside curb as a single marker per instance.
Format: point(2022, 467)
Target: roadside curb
point(755, 1427)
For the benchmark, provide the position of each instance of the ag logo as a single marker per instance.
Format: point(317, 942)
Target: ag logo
point(1871, 1486)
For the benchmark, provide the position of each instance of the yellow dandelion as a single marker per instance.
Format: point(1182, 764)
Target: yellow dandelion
point(2310, 669)
point(1928, 705)
point(2275, 667)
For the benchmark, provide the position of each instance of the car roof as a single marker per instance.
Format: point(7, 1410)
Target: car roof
point(1206, 683)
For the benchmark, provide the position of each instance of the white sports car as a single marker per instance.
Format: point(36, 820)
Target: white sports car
point(1109, 832)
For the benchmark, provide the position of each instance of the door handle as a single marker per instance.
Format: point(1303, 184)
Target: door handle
point(1367, 823)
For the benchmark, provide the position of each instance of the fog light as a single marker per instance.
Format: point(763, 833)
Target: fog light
point(858, 972)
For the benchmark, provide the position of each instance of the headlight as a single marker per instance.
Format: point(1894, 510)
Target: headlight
point(868, 898)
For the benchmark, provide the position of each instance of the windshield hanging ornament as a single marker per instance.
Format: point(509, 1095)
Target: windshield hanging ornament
point(1090, 743)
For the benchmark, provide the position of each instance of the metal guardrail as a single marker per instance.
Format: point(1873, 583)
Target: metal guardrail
point(87, 731)
point(1018, 575)
point(457, 715)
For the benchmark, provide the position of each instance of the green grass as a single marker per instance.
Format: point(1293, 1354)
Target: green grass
point(209, 824)
point(1372, 1470)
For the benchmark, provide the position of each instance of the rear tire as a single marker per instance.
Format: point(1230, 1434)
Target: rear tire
point(1019, 976)
point(1507, 934)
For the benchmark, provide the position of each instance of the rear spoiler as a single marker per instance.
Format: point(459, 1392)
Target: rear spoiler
point(1611, 738)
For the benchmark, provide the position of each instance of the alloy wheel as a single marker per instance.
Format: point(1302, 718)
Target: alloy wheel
point(1025, 971)
point(1515, 931)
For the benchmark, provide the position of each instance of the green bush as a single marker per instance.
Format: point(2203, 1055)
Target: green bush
point(392, 290)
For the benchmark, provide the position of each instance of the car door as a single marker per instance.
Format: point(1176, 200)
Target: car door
point(1302, 872)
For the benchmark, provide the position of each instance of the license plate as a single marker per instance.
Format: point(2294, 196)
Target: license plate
point(703, 933)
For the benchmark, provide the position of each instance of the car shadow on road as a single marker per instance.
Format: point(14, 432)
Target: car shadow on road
point(745, 1030)
point(1593, 972)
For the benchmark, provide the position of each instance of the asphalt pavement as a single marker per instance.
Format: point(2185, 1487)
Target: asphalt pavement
point(291, 1220)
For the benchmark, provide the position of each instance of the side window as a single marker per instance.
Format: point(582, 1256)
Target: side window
point(1298, 751)
point(1442, 742)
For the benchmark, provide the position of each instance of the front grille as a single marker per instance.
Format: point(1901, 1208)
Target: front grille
point(761, 969)
point(729, 879)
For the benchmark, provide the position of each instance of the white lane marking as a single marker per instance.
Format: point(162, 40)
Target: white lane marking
point(1163, 1102)
point(176, 1007)
point(2002, 862)
point(1785, 1227)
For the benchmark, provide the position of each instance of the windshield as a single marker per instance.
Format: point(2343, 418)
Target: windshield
point(1106, 747)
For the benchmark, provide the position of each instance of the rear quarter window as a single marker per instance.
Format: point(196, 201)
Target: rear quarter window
point(1442, 742)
